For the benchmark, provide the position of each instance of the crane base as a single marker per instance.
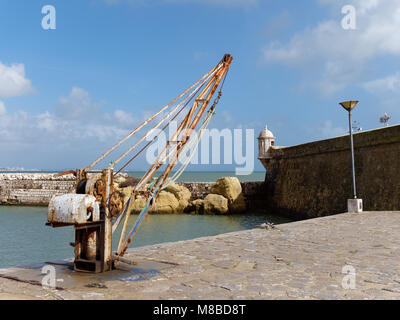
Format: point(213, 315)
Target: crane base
point(93, 266)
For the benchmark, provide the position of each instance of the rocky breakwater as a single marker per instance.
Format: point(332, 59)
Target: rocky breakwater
point(225, 197)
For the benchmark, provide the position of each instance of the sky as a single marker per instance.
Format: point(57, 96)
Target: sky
point(68, 94)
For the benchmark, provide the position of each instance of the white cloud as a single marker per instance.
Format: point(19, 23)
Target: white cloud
point(329, 131)
point(13, 81)
point(387, 89)
point(331, 57)
point(125, 117)
point(63, 138)
point(47, 141)
point(384, 85)
point(76, 120)
point(3, 109)
point(325, 130)
point(78, 105)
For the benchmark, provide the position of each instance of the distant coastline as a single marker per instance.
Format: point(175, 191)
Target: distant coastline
point(19, 170)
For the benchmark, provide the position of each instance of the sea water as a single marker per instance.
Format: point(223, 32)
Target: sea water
point(24, 238)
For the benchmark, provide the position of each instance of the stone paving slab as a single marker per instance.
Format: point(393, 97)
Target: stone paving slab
point(299, 260)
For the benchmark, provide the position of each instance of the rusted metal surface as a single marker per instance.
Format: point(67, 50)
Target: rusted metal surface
point(66, 173)
point(116, 203)
point(124, 260)
point(108, 181)
point(91, 245)
point(127, 207)
point(91, 181)
point(73, 209)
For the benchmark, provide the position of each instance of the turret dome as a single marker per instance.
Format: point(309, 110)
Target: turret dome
point(266, 134)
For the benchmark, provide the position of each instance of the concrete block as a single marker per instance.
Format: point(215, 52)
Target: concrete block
point(354, 205)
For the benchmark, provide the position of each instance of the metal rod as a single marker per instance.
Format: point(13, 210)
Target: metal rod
point(216, 83)
point(108, 177)
point(117, 221)
point(148, 120)
point(164, 155)
point(163, 120)
point(124, 260)
point(352, 158)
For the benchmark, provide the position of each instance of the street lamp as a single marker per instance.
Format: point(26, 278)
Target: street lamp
point(353, 205)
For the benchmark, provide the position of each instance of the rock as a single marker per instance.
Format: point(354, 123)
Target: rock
point(196, 206)
point(181, 193)
point(128, 182)
point(138, 204)
point(226, 196)
point(166, 202)
point(120, 178)
point(238, 205)
point(267, 226)
point(127, 192)
point(231, 189)
point(215, 204)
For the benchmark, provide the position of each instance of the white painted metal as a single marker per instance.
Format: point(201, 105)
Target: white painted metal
point(73, 209)
point(354, 205)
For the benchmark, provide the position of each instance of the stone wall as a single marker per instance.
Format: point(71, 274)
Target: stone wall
point(33, 188)
point(38, 188)
point(199, 190)
point(315, 179)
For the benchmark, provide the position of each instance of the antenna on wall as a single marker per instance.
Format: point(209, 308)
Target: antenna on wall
point(385, 119)
point(356, 126)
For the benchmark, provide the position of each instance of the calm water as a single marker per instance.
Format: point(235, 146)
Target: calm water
point(25, 239)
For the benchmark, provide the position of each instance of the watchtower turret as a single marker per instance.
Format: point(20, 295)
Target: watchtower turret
point(266, 140)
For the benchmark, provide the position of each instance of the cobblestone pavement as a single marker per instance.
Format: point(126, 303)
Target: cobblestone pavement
point(299, 260)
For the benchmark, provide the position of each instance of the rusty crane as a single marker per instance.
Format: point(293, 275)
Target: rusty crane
point(96, 208)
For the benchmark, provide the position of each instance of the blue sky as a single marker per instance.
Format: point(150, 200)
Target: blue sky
point(75, 90)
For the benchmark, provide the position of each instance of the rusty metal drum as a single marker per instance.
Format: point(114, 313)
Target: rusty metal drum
point(72, 209)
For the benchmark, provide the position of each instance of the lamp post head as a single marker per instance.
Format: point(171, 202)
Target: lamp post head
point(349, 105)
